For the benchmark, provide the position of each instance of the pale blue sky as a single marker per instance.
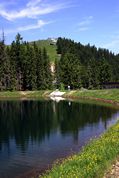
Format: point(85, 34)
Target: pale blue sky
point(86, 21)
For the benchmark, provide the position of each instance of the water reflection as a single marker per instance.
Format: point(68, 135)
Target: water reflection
point(24, 124)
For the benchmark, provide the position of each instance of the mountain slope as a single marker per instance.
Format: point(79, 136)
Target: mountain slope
point(50, 47)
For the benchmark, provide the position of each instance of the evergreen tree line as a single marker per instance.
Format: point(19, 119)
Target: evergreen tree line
point(24, 66)
point(85, 66)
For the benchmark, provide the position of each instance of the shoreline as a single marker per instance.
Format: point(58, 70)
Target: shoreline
point(74, 94)
point(94, 155)
point(67, 95)
point(93, 99)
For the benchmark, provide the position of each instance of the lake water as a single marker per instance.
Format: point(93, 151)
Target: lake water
point(34, 134)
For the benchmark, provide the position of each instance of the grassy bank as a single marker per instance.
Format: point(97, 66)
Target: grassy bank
point(110, 94)
point(94, 159)
point(24, 94)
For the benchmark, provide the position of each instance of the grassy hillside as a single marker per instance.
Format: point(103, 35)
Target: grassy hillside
point(51, 49)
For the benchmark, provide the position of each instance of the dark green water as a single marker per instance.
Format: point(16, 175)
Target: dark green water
point(33, 134)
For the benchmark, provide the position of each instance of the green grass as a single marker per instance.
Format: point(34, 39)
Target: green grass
point(108, 94)
point(7, 94)
point(24, 94)
point(51, 49)
point(94, 159)
point(112, 94)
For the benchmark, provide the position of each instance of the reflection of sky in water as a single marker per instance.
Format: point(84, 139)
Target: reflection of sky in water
point(34, 133)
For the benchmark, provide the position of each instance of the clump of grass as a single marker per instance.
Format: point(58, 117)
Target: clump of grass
point(94, 159)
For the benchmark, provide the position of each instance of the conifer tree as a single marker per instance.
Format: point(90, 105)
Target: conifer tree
point(104, 71)
point(92, 71)
point(70, 70)
point(4, 67)
point(39, 69)
point(46, 70)
point(16, 57)
point(12, 69)
point(33, 69)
